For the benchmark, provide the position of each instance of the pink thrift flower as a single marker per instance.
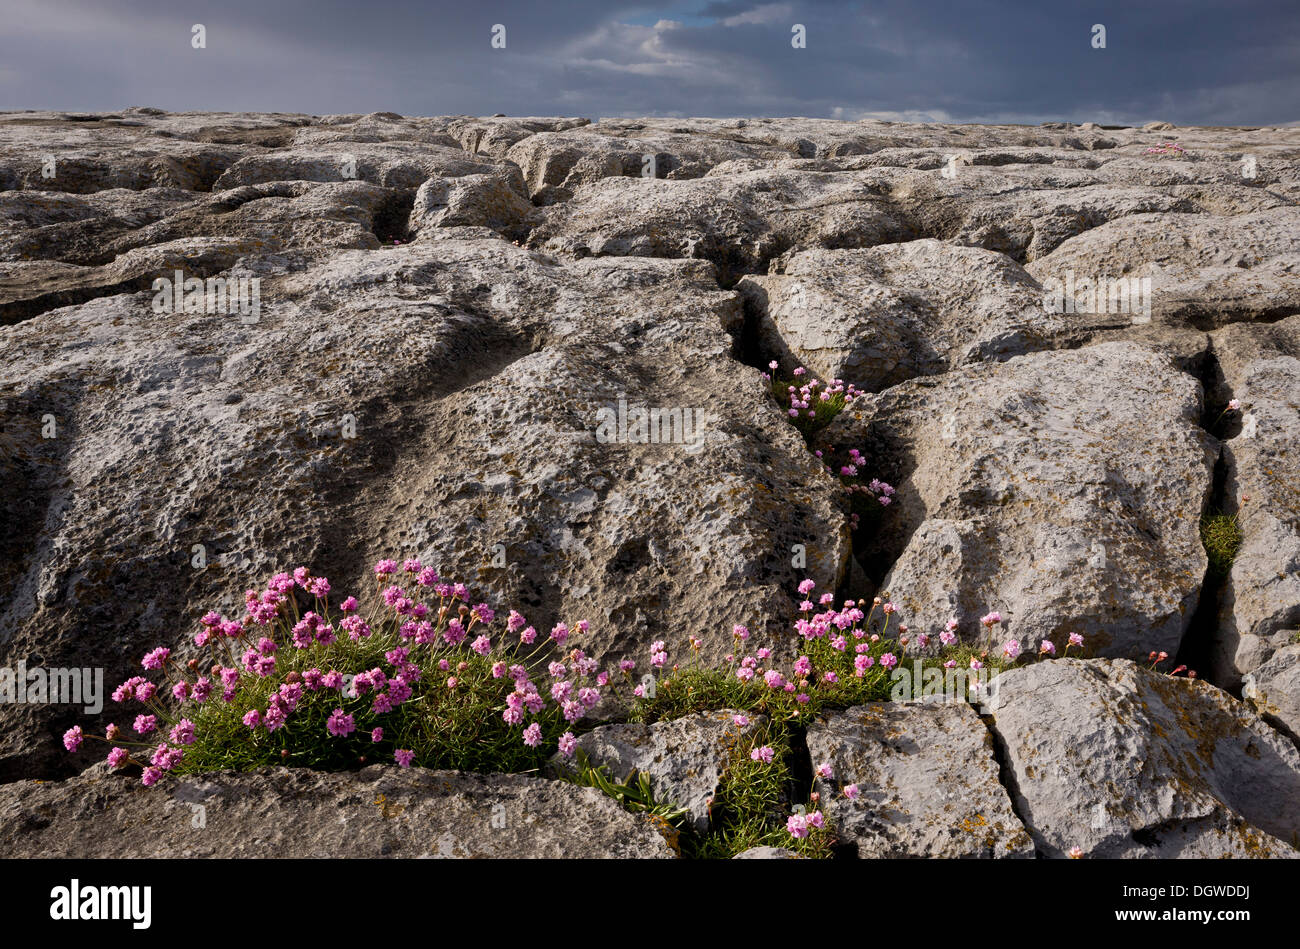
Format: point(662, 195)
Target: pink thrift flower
point(156, 658)
point(144, 724)
point(797, 825)
point(763, 754)
point(340, 724)
point(851, 791)
point(117, 757)
point(377, 735)
point(740, 720)
point(1012, 649)
point(150, 776)
point(567, 744)
point(72, 738)
point(404, 757)
point(533, 735)
point(252, 718)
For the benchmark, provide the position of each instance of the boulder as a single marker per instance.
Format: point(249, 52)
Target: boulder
point(927, 782)
point(684, 758)
point(879, 316)
point(1120, 761)
point(1062, 489)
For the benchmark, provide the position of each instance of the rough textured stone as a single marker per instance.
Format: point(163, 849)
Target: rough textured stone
point(1274, 687)
point(472, 201)
point(1260, 606)
point(382, 811)
point(738, 221)
point(488, 357)
point(1062, 488)
point(881, 315)
point(1021, 492)
point(927, 778)
point(767, 853)
point(684, 758)
point(1205, 270)
point(1122, 762)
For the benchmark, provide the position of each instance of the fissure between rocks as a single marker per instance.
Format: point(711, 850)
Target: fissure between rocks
point(1007, 778)
point(1197, 644)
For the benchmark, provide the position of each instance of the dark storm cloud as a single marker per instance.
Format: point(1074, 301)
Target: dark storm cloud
point(1187, 61)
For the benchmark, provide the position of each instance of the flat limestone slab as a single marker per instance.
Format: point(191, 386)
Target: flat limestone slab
point(927, 778)
point(381, 811)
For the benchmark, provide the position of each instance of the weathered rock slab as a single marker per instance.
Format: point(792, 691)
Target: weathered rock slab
point(684, 758)
point(1123, 762)
point(382, 811)
point(1062, 489)
point(927, 782)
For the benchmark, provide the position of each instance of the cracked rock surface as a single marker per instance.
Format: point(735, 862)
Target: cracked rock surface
point(1122, 762)
point(448, 302)
point(927, 782)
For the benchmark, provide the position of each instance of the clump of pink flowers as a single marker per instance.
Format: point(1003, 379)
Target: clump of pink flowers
point(290, 672)
point(808, 401)
point(1166, 148)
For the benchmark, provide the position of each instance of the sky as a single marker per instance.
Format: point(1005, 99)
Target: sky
point(1189, 62)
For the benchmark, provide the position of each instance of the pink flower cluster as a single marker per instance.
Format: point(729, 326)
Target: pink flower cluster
point(804, 398)
point(271, 625)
